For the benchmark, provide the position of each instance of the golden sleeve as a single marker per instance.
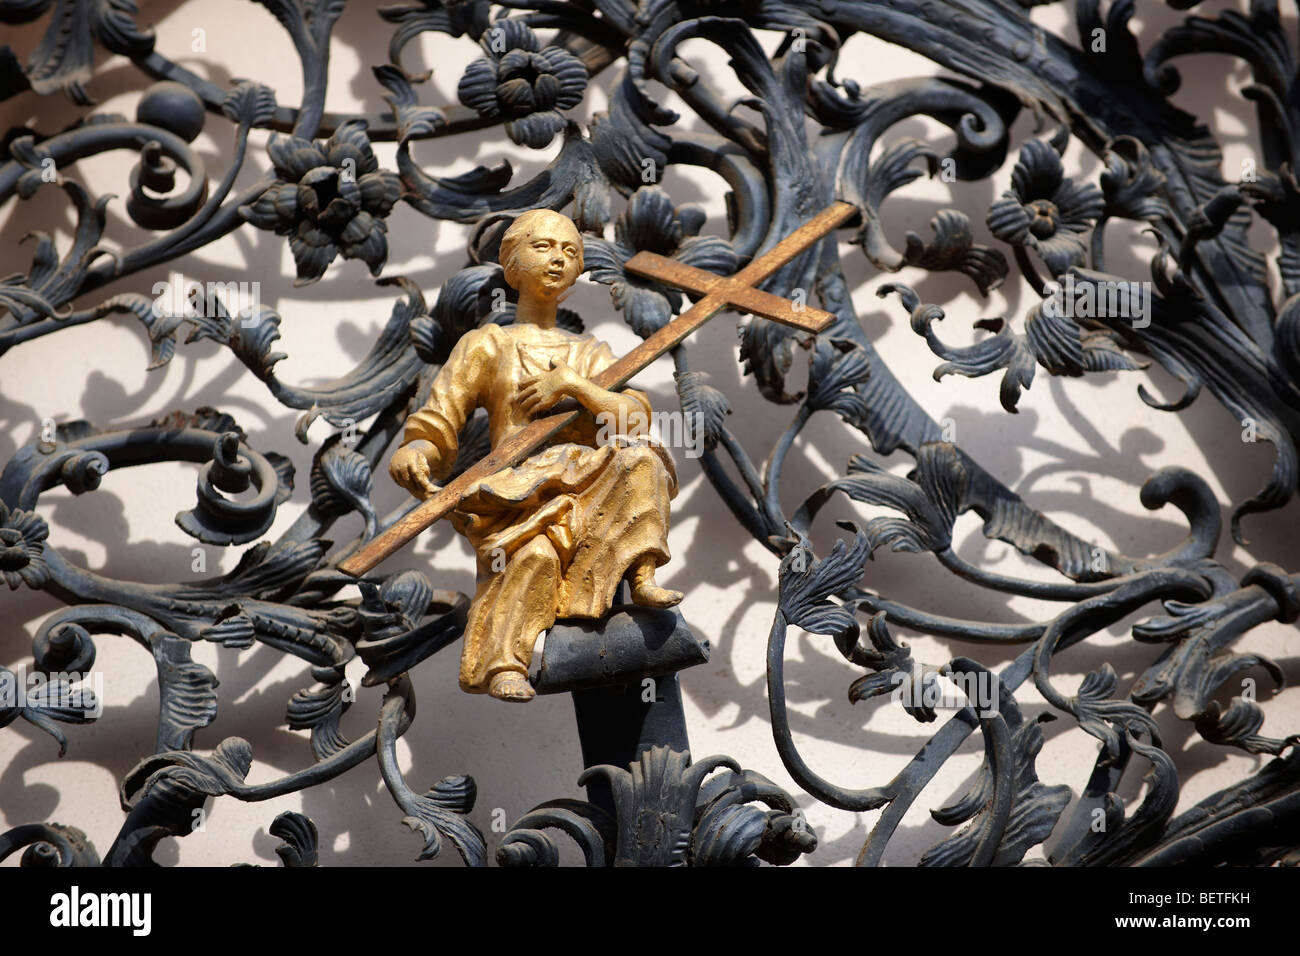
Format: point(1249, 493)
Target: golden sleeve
point(599, 357)
point(455, 394)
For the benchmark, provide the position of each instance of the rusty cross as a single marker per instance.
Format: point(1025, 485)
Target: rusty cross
point(719, 293)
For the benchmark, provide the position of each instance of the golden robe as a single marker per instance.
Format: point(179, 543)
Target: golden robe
point(555, 534)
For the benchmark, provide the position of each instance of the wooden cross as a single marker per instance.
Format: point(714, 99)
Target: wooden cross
point(719, 293)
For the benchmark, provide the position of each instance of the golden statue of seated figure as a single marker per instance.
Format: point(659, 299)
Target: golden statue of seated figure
point(557, 533)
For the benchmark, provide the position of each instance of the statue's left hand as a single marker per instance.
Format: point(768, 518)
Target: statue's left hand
point(540, 392)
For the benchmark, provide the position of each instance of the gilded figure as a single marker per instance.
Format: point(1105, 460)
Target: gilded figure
point(556, 534)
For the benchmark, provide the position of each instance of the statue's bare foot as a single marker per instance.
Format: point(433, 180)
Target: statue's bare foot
point(511, 685)
point(653, 595)
point(648, 594)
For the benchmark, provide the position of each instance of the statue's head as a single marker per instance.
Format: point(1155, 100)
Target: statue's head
point(541, 253)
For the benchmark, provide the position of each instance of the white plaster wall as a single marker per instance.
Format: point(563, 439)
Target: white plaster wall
point(1078, 449)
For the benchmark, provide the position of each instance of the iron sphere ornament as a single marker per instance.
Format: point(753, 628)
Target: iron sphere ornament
point(172, 106)
point(480, 397)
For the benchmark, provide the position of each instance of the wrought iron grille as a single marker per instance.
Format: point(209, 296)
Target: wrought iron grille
point(1214, 302)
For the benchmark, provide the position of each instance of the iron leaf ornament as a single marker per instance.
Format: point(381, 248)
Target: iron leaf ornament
point(802, 136)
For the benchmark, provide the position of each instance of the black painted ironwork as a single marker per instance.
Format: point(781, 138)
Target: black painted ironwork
point(1210, 320)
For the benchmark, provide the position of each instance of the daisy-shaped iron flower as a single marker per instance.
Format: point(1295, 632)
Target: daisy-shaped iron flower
point(1045, 211)
point(328, 198)
point(523, 83)
point(22, 552)
point(652, 224)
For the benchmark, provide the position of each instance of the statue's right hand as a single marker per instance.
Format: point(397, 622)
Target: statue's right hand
point(410, 469)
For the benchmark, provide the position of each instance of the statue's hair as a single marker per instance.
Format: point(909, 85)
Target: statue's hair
point(527, 225)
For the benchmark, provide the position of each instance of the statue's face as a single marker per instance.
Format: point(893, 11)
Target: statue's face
point(547, 260)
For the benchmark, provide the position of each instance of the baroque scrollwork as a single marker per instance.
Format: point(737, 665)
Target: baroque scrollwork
point(811, 128)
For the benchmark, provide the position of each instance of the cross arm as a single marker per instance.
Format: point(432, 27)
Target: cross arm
point(733, 294)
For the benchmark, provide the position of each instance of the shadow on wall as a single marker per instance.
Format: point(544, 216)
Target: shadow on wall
point(521, 756)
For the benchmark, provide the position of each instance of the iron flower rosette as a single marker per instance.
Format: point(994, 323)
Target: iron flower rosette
point(328, 198)
point(1045, 210)
point(651, 223)
point(523, 83)
point(22, 548)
